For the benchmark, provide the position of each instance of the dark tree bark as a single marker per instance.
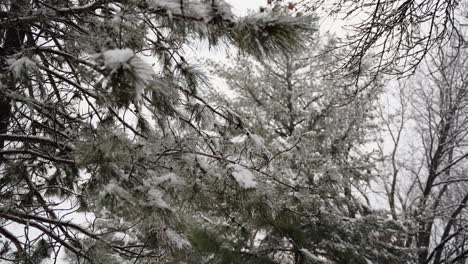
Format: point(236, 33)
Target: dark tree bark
point(12, 42)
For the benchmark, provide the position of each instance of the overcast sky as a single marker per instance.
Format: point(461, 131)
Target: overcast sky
point(241, 6)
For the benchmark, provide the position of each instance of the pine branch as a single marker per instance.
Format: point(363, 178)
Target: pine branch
point(36, 139)
point(11, 19)
point(35, 154)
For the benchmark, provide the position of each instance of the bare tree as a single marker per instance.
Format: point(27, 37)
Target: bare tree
point(394, 119)
point(432, 185)
point(399, 34)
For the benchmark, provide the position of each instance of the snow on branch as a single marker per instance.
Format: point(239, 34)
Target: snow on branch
point(265, 34)
point(197, 10)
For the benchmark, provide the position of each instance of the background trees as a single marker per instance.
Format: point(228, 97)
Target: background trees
point(428, 184)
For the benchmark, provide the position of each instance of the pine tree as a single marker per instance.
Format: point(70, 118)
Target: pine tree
point(310, 126)
point(100, 114)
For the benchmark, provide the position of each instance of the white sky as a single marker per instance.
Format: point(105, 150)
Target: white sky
point(241, 6)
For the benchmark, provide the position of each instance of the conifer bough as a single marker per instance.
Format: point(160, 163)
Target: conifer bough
point(90, 123)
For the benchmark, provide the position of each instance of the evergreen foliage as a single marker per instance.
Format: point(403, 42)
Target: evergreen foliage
point(99, 110)
point(311, 124)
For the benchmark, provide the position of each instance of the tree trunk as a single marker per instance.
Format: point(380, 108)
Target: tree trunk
point(12, 43)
